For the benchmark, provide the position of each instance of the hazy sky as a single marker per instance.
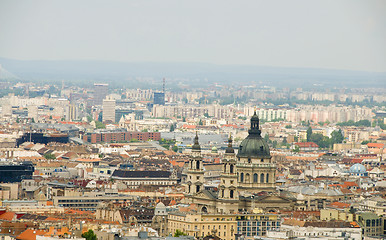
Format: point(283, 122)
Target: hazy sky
point(345, 34)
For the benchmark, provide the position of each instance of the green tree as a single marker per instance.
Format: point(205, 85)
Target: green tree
point(134, 140)
point(309, 133)
point(288, 126)
point(175, 148)
point(172, 127)
point(183, 119)
point(177, 233)
point(49, 156)
point(200, 123)
point(296, 149)
point(337, 137)
point(89, 235)
point(99, 125)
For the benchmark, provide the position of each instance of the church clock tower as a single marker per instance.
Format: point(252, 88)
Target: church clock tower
point(228, 193)
point(195, 173)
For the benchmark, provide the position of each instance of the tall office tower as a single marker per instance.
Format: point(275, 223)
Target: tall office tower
point(159, 98)
point(108, 110)
point(100, 92)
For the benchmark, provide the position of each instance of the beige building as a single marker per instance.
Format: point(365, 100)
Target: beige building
point(200, 225)
point(108, 110)
point(336, 214)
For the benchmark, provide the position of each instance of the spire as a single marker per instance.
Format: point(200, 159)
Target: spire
point(230, 148)
point(254, 125)
point(196, 145)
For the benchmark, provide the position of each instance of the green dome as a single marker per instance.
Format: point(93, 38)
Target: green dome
point(214, 149)
point(254, 145)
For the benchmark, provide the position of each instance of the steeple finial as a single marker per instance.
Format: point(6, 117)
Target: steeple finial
point(196, 145)
point(230, 147)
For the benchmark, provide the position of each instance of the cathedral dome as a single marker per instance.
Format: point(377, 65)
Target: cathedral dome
point(254, 145)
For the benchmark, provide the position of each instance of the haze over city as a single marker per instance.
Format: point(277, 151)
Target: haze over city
point(185, 120)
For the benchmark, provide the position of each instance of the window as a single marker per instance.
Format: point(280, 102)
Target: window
point(231, 168)
point(255, 178)
point(241, 177)
point(267, 178)
point(231, 194)
point(262, 178)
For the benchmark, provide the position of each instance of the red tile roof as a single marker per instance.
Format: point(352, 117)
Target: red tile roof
point(30, 234)
point(375, 145)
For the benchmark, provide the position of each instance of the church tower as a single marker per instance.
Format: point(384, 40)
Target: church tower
point(195, 173)
point(255, 169)
point(228, 193)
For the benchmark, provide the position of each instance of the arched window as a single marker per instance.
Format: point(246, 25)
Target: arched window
point(255, 178)
point(225, 168)
point(222, 193)
point(267, 178)
point(188, 188)
point(247, 178)
point(197, 188)
point(231, 168)
point(191, 164)
point(197, 164)
point(241, 177)
point(262, 178)
point(231, 193)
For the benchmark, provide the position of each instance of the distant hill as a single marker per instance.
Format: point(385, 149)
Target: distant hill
point(190, 74)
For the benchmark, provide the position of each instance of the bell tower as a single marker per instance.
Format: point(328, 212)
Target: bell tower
point(195, 173)
point(228, 193)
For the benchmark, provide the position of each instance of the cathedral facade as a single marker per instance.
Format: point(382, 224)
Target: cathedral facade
point(247, 181)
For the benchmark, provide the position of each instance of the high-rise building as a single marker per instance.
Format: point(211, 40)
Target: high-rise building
point(100, 92)
point(108, 110)
point(159, 98)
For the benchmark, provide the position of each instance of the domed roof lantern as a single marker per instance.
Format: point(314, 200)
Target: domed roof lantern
point(230, 148)
point(196, 145)
point(254, 145)
point(254, 125)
